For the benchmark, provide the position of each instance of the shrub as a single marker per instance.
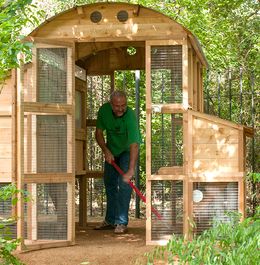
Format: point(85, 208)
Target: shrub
point(230, 243)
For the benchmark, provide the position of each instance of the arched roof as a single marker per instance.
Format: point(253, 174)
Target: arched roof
point(142, 24)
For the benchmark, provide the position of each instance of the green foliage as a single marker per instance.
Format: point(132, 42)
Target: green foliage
point(230, 243)
point(14, 16)
point(7, 243)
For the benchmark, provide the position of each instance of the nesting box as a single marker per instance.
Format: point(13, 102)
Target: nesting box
point(47, 125)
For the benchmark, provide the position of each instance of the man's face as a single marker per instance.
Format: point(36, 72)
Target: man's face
point(118, 105)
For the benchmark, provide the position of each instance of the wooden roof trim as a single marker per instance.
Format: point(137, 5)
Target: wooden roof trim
point(80, 10)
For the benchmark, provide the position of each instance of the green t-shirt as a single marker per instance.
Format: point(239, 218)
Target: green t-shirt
point(121, 131)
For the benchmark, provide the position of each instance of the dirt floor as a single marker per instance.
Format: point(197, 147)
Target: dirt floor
point(96, 248)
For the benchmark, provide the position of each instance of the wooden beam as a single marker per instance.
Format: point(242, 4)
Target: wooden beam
point(185, 74)
point(47, 108)
point(48, 177)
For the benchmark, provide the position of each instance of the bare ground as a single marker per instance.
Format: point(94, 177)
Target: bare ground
point(96, 248)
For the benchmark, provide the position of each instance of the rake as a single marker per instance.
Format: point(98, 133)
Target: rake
point(137, 191)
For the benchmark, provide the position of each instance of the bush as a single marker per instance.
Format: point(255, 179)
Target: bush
point(231, 243)
point(7, 243)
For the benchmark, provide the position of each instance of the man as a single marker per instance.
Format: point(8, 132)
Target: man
point(122, 144)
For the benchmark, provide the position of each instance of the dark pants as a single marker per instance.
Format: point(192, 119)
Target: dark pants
point(118, 192)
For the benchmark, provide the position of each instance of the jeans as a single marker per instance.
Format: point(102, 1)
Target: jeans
point(118, 192)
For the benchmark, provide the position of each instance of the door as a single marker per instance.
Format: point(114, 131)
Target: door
point(46, 147)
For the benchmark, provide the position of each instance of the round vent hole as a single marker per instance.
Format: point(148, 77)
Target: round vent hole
point(95, 16)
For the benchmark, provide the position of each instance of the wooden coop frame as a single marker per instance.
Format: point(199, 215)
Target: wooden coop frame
point(84, 36)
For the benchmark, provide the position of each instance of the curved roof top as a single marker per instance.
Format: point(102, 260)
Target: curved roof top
point(142, 24)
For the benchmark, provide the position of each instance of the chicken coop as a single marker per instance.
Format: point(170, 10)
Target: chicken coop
point(195, 162)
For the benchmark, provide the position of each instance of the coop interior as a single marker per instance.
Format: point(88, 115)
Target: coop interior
point(194, 162)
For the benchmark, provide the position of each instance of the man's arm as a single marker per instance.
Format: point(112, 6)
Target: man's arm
point(133, 158)
point(101, 142)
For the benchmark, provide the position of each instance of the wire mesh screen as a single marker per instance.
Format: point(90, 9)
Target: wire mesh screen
point(78, 109)
point(167, 141)
point(213, 201)
point(167, 198)
point(52, 143)
point(98, 88)
point(52, 75)
point(96, 201)
point(7, 221)
point(166, 74)
point(46, 212)
point(95, 161)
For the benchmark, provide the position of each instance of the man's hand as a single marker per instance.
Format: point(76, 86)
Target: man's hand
point(108, 156)
point(128, 175)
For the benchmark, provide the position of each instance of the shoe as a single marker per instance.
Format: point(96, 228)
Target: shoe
point(120, 229)
point(104, 226)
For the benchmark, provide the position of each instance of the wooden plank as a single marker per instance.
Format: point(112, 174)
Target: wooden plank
point(167, 177)
point(167, 108)
point(175, 170)
point(242, 197)
point(5, 151)
point(40, 244)
point(210, 136)
point(20, 150)
point(215, 151)
point(216, 177)
point(6, 165)
point(6, 135)
point(165, 42)
point(5, 177)
point(199, 117)
point(241, 154)
point(6, 122)
point(148, 211)
point(214, 165)
point(47, 108)
point(190, 78)
point(185, 75)
point(83, 202)
point(79, 156)
point(80, 134)
point(46, 43)
point(195, 82)
point(48, 178)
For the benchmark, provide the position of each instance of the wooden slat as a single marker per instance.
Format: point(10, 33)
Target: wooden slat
point(20, 151)
point(242, 197)
point(167, 177)
point(212, 151)
point(185, 74)
point(167, 108)
point(170, 170)
point(94, 174)
point(40, 244)
point(213, 119)
point(190, 78)
point(241, 154)
point(215, 165)
point(48, 178)
point(50, 108)
point(5, 135)
point(5, 151)
point(5, 177)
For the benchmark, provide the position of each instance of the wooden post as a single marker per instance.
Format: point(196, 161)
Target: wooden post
point(20, 150)
point(185, 81)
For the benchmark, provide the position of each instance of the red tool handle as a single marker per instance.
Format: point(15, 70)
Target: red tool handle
point(137, 191)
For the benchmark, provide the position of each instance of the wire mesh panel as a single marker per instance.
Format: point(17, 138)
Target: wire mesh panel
point(98, 91)
point(45, 143)
point(167, 198)
point(211, 201)
point(52, 75)
point(7, 222)
point(52, 143)
point(96, 201)
point(166, 74)
point(46, 212)
point(95, 161)
point(167, 141)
